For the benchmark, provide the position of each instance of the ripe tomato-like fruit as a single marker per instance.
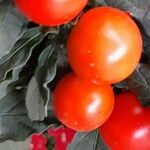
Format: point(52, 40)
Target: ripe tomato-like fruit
point(128, 127)
point(51, 12)
point(105, 45)
point(82, 105)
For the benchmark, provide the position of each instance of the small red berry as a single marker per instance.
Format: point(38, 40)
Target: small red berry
point(63, 136)
point(38, 142)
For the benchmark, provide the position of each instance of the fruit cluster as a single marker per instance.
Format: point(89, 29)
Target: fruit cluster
point(62, 137)
point(50, 12)
point(103, 48)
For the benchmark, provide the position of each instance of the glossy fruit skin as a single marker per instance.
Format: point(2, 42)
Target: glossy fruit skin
point(128, 127)
point(82, 105)
point(62, 137)
point(50, 12)
point(38, 142)
point(105, 45)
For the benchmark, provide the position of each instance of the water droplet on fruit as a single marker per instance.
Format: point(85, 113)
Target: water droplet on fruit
point(89, 51)
point(92, 65)
point(76, 123)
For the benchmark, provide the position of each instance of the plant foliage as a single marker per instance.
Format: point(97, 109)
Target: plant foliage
point(33, 59)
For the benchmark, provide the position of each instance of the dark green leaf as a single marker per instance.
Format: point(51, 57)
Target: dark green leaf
point(139, 82)
point(1, 1)
point(35, 99)
point(21, 52)
point(101, 144)
point(87, 141)
point(14, 121)
point(27, 71)
point(140, 10)
point(44, 74)
point(4, 85)
point(12, 26)
point(62, 60)
point(147, 52)
point(121, 85)
point(100, 2)
point(50, 143)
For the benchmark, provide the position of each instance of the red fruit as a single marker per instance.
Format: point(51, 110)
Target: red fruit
point(81, 104)
point(38, 142)
point(63, 136)
point(51, 12)
point(105, 45)
point(128, 127)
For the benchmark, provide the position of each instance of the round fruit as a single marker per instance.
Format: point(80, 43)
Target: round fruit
point(51, 12)
point(105, 45)
point(128, 127)
point(82, 105)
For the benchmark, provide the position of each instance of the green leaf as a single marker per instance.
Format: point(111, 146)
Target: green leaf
point(50, 143)
point(121, 85)
point(14, 121)
point(100, 2)
point(11, 145)
point(35, 99)
point(1, 1)
point(4, 85)
point(139, 82)
point(87, 141)
point(27, 71)
point(140, 10)
point(21, 52)
point(12, 26)
point(44, 74)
